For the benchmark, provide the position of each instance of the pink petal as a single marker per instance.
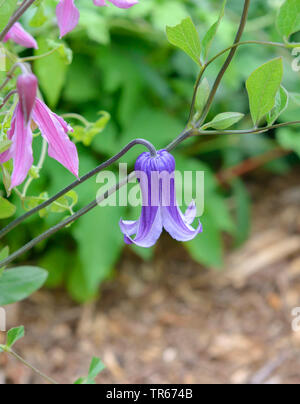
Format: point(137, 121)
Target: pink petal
point(7, 155)
point(124, 3)
point(21, 149)
point(100, 3)
point(67, 16)
point(60, 146)
point(20, 36)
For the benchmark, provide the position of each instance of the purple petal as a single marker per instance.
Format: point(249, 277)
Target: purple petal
point(177, 225)
point(20, 36)
point(149, 228)
point(191, 212)
point(21, 149)
point(67, 16)
point(60, 146)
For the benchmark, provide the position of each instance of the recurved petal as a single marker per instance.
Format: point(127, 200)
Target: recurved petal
point(149, 228)
point(18, 34)
point(60, 146)
point(67, 16)
point(177, 225)
point(191, 212)
point(129, 228)
point(21, 149)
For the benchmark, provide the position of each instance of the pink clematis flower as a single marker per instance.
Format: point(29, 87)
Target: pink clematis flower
point(53, 128)
point(68, 14)
point(18, 34)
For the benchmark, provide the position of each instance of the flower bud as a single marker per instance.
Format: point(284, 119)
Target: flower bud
point(27, 85)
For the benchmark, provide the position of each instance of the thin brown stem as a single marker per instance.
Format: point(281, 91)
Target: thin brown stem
point(16, 16)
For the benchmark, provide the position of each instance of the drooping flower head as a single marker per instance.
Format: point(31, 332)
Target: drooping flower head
point(53, 128)
point(160, 209)
point(18, 34)
point(68, 14)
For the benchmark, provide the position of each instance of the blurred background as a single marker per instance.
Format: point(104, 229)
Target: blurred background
point(215, 310)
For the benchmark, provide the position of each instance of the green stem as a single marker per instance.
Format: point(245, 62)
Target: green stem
point(226, 64)
point(244, 131)
point(81, 180)
point(27, 364)
point(33, 58)
point(66, 222)
point(78, 118)
point(39, 167)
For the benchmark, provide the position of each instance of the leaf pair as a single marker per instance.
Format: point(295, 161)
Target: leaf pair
point(185, 37)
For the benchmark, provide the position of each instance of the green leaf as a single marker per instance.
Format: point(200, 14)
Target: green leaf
point(96, 367)
point(14, 335)
point(289, 139)
point(5, 145)
point(7, 7)
point(202, 95)
point(185, 37)
point(262, 87)
point(207, 248)
point(288, 18)
point(7, 209)
point(6, 179)
point(281, 104)
point(51, 72)
point(100, 243)
point(211, 33)
point(18, 283)
point(4, 253)
point(224, 120)
point(39, 17)
point(96, 26)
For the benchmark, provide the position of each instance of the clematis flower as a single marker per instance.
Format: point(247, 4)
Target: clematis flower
point(18, 34)
point(68, 14)
point(53, 128)
point(160, 209)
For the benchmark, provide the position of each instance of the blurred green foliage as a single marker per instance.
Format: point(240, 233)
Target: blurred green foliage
point(123, 64)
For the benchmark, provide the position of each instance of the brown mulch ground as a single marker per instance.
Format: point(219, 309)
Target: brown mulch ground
point(171, 321)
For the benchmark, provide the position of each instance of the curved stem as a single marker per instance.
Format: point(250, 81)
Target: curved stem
point(44, 55)
point(6, 99)
point(35, 370)
point(109, 162)
point(20, 11)
point(66, 222)
point(226, 64)
point(243, 131)
point(78, 117)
